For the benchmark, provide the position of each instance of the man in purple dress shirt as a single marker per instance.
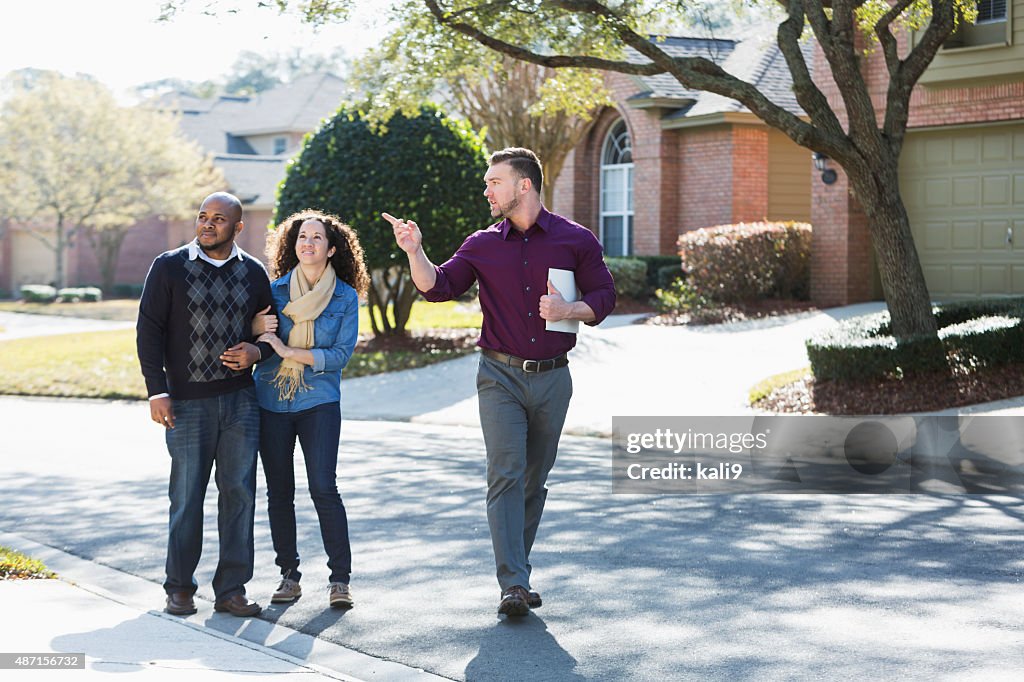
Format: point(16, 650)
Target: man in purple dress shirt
point(523, 381)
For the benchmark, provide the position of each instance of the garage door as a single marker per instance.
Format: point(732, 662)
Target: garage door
point(964, 191)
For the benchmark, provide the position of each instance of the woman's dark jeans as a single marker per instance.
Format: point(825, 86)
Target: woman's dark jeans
point(318, 430)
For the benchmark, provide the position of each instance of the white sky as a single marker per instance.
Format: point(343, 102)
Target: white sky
point(121, 43)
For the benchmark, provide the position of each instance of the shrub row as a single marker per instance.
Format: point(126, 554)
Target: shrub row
point(640, 276)
point(630, 275)
point(985, 332)
point(44, 293)
point(748, 261)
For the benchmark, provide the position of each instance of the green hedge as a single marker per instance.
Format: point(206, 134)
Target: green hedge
point(986, 332)
point(38, 293)
point(630, 276)
point(667, 275)
point(126, 291)
point(657, 266)
point(77, 294)
point(748, 261)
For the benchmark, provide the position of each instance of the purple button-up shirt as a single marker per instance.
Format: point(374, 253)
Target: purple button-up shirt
point(512, 269)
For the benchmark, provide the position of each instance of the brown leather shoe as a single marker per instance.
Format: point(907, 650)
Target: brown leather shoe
point(237, 605)
point(515, 601)
point(180, 604)
point(535, 601)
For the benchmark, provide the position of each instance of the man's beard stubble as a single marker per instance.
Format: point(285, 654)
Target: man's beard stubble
point(509, 208)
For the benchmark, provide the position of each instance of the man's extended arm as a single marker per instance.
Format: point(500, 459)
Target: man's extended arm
point(410, 240)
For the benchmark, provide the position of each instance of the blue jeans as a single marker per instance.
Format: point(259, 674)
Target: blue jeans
point(319, 431)
point(221, 430)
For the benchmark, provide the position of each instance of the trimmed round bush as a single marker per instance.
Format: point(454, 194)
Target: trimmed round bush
point(428, 168)
point(987, 332)
point(38, 293)
point(630, 275)
point(748, 261)
point(79, 294)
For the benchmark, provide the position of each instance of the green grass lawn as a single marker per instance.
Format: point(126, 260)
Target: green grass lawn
point(16, 566)
point(763, 388)
point(424, 315)
point(105, 365)
point(122, 309)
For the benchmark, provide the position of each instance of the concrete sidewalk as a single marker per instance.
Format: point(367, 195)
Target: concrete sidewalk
point(24, 325)
point(105, 615)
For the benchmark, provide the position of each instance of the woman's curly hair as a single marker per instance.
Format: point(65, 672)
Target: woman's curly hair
point(348, 260)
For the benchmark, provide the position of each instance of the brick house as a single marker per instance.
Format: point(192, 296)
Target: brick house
point(665, 160)
point(961, 172)
point(251, 139)
point(696, 160)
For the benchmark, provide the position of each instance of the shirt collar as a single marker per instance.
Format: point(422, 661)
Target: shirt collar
point(195, 252)
point(543, 222)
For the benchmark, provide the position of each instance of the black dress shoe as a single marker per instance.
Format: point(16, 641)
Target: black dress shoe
point(237, 605)
point(535, 601)
point(180, 604)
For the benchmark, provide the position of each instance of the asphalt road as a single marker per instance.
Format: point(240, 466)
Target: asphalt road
point(636, 587)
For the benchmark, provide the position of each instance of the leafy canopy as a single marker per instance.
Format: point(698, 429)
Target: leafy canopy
point(428, 168)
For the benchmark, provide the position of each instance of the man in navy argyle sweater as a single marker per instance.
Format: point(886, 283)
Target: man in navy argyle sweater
point(193, 337)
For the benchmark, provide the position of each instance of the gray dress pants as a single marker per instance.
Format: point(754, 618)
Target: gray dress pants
point(521, 415)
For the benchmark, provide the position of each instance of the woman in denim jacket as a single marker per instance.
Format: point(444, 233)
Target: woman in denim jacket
point(319, 269)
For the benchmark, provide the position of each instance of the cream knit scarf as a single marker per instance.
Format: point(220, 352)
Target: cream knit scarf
point(304, 306)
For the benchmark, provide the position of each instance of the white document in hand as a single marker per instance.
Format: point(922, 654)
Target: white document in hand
point(565, 282)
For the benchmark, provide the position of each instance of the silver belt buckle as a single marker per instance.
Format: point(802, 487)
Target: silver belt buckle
point(527, 365)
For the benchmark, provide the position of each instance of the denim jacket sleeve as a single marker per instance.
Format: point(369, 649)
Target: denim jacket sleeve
point(336, 356)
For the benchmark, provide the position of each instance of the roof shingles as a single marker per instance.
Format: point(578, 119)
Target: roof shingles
point(221, 125)
point(755, 59)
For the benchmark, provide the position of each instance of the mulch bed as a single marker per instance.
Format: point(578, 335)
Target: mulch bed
point(925, 392)
point(422, 341)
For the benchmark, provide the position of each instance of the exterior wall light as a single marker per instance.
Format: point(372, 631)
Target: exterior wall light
point(828, 175)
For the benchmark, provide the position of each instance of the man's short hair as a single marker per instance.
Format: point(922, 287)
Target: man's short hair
point(524, 162)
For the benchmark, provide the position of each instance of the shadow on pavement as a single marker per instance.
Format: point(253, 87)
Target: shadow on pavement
point(635, 586)
point(522, 649)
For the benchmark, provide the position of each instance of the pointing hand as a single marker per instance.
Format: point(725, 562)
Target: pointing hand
point(407, 233)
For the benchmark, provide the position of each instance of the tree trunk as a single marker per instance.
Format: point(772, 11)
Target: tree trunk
point(390, 289)
point(373, 307)
point(107, 245)
point(58, 249)
point(903, 283)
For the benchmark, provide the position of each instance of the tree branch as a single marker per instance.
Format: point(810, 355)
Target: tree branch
point(694, 72)
point(888, 41)
point(810, 97)
point(922, 54)
point(838, 46)
point(553, 61)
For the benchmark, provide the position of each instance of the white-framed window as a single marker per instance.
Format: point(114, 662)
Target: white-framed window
point(617, 192)
point(991, 10)
point(280, 145)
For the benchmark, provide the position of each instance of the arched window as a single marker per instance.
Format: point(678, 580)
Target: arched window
point(617, 192)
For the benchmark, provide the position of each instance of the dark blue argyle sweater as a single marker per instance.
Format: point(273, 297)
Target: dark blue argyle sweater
point(192, 311)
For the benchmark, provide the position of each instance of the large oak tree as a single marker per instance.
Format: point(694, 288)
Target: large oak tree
point(865, 139)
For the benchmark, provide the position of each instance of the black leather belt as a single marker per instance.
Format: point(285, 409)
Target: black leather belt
point(527, 365)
